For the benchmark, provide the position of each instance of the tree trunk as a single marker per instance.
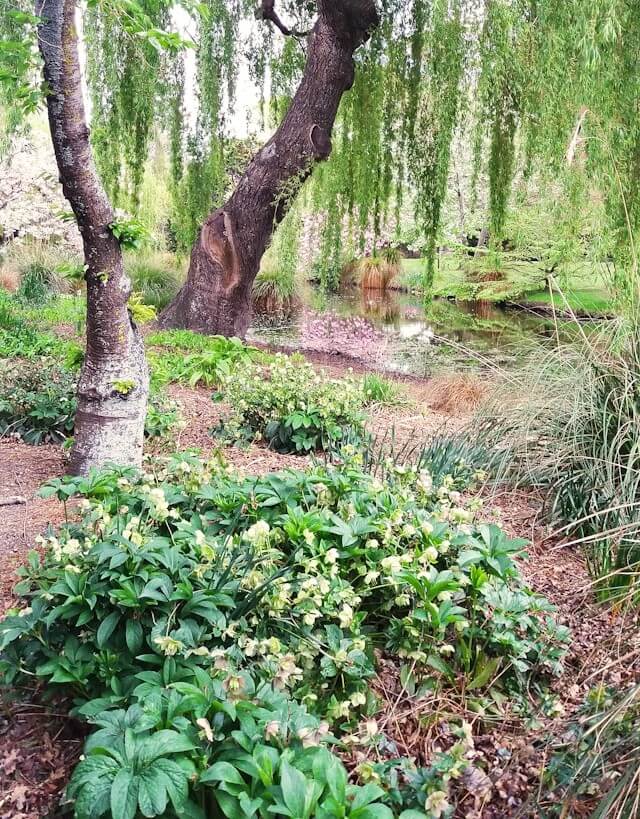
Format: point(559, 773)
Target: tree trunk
point(114, 383)
point(216, 298)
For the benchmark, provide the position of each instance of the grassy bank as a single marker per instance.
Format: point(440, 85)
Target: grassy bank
point(584, 288)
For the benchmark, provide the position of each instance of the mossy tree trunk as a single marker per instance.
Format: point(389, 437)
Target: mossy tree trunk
point(216, 298)
point(114, 383)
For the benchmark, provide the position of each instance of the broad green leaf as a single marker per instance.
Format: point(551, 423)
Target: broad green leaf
point(106, 628)
point(134, 636)
point(124, 794)
point(294, 789)
point(222, 772)
point(162, 743)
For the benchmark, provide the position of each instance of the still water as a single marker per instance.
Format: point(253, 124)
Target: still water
point(393, 331)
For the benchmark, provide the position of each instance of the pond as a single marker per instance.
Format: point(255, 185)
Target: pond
point(393, 330)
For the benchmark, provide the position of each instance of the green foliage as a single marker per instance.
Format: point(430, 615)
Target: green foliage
point(37, 401)
point(156, 276)
point(20, 93)
point(572, 430)
point(17, 338)
point(291, 407)
point(129, 232)
point(274, 289)
point(141, 312)
point(40, 268)
point(378, 390)
point(436, 122)
point(163, 416)
point(181, 340)
point(225, 624)
point(215, 359)
point(38, 395)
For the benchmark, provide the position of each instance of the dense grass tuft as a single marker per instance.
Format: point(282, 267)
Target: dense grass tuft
point(156, 276)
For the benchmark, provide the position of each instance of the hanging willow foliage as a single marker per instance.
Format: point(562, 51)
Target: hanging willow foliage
point(126, 78)
point(528, 70)
point(437, 118)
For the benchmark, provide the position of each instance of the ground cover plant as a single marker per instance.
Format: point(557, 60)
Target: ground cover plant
point(38, 401)
point(194, 359)
point(219, 632)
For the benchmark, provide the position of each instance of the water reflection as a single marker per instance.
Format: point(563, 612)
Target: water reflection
point(396, 330)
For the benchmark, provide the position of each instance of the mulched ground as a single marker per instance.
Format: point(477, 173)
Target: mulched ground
point(39, 745)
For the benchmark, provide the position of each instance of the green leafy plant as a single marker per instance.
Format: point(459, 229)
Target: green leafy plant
point(214, 359)
point(290, 406)
point(37, 401)
point(163, 416)
point(129, 232)
point(244, 615)
point(141, 312)
point(379, 390)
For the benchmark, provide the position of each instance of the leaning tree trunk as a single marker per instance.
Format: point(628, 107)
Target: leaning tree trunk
point(114, 383)
point(216, 297)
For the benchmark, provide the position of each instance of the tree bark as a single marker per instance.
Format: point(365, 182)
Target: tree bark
point(216, 297)
point(114, 382)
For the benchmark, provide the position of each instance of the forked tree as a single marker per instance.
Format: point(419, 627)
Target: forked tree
point(523, 71)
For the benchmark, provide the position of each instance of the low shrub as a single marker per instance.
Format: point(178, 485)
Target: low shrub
point(163, 416)
point(291, 407)
point(37, 401)
point(19, 338)
point(156, 276)
point(216, 629)
point(379, 390)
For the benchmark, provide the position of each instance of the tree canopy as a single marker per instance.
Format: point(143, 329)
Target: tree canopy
point(518, 77)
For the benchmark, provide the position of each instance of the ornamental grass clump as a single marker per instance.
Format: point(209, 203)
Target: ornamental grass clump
point(219, 632)
point(292, 407)
point(568, 422)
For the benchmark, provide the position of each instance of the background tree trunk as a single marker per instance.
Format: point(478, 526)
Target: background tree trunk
point(114, 383)
point(216, 298)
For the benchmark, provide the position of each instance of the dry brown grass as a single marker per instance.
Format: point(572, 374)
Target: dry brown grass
point(376, 273)
point(9, 279)
point(456, 394)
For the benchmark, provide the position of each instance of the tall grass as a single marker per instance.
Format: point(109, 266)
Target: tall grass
point(376, 272)
point(597, 770)
point(274, 293)
point(569, 423)
point(156, 275)
point(37, 269)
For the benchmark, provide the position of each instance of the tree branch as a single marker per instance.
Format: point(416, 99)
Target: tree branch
point(267, 12)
